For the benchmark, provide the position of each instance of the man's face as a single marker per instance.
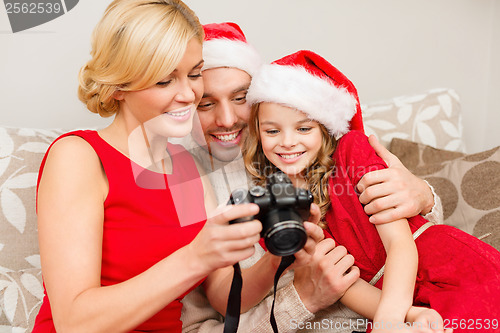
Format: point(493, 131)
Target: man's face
point(223, 112)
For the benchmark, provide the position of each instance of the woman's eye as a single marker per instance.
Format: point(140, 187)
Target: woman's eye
point(195, 76)
point(164, 83)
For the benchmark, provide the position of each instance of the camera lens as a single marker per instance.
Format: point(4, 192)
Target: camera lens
point(286, 238)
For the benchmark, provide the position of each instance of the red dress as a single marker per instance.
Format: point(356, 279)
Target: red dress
point(141, 224)
point(458, 275)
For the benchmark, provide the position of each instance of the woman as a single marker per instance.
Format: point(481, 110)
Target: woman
point(117, 254)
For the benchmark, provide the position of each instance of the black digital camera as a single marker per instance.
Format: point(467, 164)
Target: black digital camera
point(283, 209)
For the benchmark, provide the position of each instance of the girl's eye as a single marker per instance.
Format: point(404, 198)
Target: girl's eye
point(271, 132)
point(304, 129)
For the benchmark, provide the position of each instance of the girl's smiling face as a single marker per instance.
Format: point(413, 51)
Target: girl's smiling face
point(290, 140)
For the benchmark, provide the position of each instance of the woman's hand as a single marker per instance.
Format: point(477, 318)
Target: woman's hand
point(220, 244)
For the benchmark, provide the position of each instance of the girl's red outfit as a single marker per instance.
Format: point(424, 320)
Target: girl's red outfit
point(458, 275)
point(143, 222)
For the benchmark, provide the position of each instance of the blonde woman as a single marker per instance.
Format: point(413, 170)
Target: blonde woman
point(121, 211)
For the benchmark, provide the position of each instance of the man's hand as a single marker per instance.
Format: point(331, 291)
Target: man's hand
point(327, 276)
point(314, 235)
point(394, 193)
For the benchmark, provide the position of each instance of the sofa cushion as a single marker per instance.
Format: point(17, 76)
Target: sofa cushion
point(21, 295)
point(468, 185)
point(432, 118)
point(21, 151)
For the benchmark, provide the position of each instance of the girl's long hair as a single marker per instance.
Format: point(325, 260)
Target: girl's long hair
point(316, 174)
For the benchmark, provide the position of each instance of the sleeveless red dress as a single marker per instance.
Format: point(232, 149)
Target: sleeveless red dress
point(458, 275)
point(144, 222)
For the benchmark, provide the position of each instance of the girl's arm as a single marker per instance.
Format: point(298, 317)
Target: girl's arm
point(364, 298)
point(71, 195)
point(396, 298)
point(400, 271)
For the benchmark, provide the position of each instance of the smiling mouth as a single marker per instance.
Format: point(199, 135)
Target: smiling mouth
point(179, 113)
point(290, 156)
point(227, 137)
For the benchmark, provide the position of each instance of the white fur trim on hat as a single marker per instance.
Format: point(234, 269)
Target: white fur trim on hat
point(295, 87)
point(231, 53)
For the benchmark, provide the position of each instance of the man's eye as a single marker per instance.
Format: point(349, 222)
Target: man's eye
point(205, 106)
point(240, 98)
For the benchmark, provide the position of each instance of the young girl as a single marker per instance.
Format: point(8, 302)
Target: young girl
point(302, 105)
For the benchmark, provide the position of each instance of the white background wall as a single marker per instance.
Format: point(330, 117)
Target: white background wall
point(386, 47)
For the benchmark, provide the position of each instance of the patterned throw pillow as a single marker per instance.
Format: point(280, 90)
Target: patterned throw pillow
point(21, 151)
point(468, 185)
point(21, 290)
point(432, 118)
point(21, 293)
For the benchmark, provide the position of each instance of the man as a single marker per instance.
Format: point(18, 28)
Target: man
point(307, 296)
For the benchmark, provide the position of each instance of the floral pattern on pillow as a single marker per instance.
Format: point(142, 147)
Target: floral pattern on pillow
point(21, 288)
point(432, 118)
point(21, 152)
point(21, 295)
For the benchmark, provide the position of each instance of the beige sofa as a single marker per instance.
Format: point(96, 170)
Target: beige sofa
point(469, 186)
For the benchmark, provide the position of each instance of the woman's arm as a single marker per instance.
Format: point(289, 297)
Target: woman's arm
point(71, 194)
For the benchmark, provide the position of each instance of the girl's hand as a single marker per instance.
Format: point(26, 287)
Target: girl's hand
point(428, 320)
point(220, 244)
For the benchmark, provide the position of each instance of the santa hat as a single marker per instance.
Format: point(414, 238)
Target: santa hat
point(307, 82)
point(225, 45)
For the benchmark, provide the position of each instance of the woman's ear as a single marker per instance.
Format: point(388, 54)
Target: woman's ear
point(118, 95)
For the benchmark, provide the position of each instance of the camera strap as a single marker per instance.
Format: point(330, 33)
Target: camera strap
point(234, 300)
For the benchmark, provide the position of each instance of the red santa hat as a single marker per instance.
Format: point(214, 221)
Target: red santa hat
point(307, 82)
point(225, 45)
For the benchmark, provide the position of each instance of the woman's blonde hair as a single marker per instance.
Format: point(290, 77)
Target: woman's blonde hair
point(317, 174)
point(136, 44)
